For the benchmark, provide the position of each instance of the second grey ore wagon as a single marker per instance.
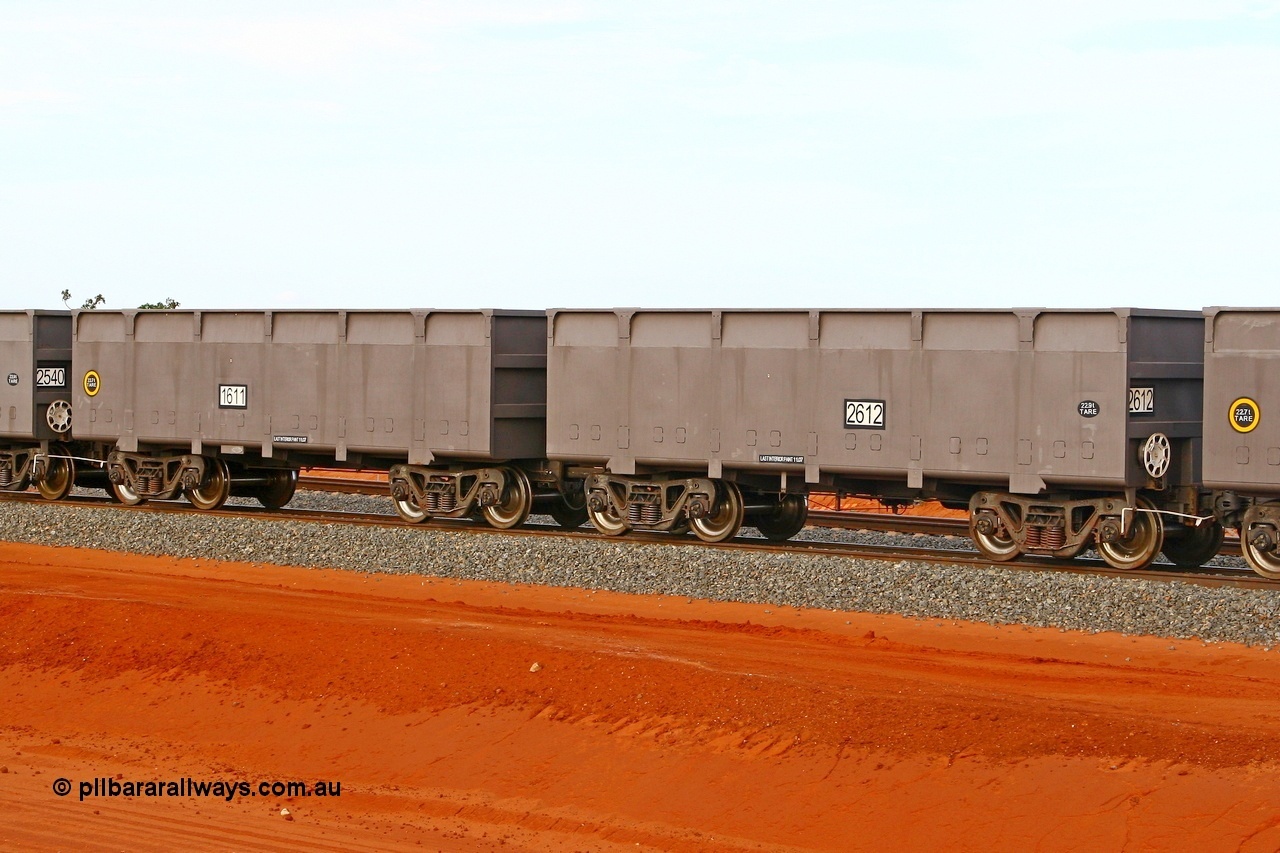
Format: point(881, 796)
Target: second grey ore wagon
point(1057, 429)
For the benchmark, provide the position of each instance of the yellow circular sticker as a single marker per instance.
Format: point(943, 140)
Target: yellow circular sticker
point(1244, 415)
point(92, 382)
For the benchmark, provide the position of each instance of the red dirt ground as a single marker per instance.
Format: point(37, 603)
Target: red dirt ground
point(653, 723)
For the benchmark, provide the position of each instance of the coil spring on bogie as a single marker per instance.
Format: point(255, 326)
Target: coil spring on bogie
point(148, 484)
point(439, 501)
point(644, 513)
point(6, 475)
point(1048, 537)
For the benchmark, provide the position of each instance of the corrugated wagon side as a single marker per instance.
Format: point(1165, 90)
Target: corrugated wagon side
point(210, 403)
point(1057, 426)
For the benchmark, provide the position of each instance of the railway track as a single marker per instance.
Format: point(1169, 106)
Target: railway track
point(882, 522)
point(1205, 576)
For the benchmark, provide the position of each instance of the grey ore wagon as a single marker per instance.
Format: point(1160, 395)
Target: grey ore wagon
point(1055, 428)
point(212, 403)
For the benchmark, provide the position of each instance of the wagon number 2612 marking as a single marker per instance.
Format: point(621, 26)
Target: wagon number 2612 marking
point(1142, 401)
point(864, 414)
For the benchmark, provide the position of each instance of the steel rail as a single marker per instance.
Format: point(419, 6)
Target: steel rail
point(884, 522)
point(1205, 576)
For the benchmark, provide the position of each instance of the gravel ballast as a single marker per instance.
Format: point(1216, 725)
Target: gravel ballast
point(923, 590)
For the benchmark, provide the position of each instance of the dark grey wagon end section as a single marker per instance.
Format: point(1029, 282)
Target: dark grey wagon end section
point(37, 439)
point(35, 363)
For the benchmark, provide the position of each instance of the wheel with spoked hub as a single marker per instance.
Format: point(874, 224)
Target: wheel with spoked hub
point(1156, 455)
point(58, 416)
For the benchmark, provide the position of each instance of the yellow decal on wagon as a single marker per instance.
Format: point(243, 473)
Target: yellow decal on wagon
point(92, 382)
point(1244, 415)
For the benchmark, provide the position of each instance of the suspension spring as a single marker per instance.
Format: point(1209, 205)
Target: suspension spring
point(634, 513)
point(6, 475)
point(448, 501)
point(1054, 538)
point(1035, 536)
point(431, 501)
point(651, 514)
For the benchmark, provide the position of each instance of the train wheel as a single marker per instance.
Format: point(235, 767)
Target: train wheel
point(215, 489)
point(607, 521)
point(408, 509)
point(59, 476)
point(786, 520)
point(126, 495)
point(279, 488)
point(727, 520)
point(1198, 546)
point(516, 504)
point(1264, 561)
point(999, 545)
point(569, 511)
point(1140, 547)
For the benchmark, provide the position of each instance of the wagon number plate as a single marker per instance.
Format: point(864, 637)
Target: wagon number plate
point(864, 414)
point(51, 377)
point(233, 396)
point(1142, 401)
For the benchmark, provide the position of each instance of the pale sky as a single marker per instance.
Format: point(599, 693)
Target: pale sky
point(664, 154)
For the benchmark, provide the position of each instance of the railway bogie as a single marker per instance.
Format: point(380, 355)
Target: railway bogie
point(503, 495)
